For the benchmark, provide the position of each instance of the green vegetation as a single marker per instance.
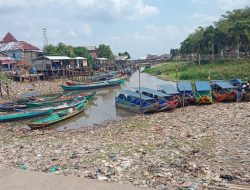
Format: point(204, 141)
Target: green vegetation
point(192, 71)
point(104, 51)
point(228, 37)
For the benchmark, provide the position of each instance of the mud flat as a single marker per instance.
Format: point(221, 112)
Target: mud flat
point(190, 148)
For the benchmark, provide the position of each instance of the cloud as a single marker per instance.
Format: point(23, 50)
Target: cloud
point(203, 19)
point(86, 30)
point(232, 4)
point(108, 10)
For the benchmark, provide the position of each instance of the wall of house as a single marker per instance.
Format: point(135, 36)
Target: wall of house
point(17, 55)
point(40, 65)
point(28, 56)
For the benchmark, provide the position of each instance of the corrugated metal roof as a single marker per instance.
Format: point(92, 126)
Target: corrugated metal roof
point(80, 58)
point(202, 86)
point(57, 57)
point(169, 88)
point(151, 91)
point(223, 84)
point(136, 95)
point(185, 86)
point(20, 45)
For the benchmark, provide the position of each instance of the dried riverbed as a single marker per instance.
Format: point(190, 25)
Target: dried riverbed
point(189, 148)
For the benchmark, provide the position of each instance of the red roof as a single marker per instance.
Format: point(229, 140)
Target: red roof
point(10, 43)
point(9, 38)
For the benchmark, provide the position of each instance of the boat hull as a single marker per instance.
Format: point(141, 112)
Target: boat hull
point(24, 115)
point(92, 86)
point(204, 97)
point(55, 118)
point(229, 96)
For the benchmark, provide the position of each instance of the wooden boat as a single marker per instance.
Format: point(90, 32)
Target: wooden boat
point(58, 107)
point(67, 105)
point(186, 92)
point(223, 91)
point(171, 90)
point(160, 97)
point(61, 100)
point(242, 88)
point(58, 117)
point(24, 115)
point(135, 102)
point(109, 83)
point(203, 92)
point(10, 106)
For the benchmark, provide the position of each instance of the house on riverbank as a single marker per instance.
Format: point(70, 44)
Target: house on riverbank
point(21, 52)
point(60, 65)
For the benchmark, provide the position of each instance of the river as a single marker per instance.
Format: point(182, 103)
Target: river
point(103, 108)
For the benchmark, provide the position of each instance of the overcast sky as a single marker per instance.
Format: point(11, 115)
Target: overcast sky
point(137, 26)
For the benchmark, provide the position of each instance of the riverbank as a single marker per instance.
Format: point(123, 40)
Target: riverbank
point(218, 70)
point(16, 89)
point(191, 147)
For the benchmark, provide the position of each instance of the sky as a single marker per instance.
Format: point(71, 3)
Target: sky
point(140, 27)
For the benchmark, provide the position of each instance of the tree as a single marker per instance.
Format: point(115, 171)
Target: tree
point(50, 50)
point(83, 52)
point(124, 54)
point(104, 51)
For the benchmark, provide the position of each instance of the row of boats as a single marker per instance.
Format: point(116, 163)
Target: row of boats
point(56, 108)
point(178, 94)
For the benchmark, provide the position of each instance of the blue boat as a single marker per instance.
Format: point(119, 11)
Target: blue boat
point(135, 102)
point(203, 92)
point(160, 97)
point(186, 92)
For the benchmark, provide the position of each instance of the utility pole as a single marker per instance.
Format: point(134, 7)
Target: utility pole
point(140, 88)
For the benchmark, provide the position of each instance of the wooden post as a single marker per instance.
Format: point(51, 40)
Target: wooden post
point(1, 93)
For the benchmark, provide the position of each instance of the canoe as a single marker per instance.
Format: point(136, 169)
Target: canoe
point(135, 102)
point(10, 106)
point(223, 91)
point(24, 115)
point(93, 86)
point(160, 97)
point(59, 116)
point(61, 100)
point(64, 106)
point(203, 92)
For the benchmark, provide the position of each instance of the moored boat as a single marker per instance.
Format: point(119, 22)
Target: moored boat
point(242, 88)
point(186, 92)
point(58, 117)
point(160, 97)
point(223, 91)
point(135, 102)
point(171, 90)
point(109, 83)
point(61, 100)
point(24, 115)
point(10, 106)
point(203, 92)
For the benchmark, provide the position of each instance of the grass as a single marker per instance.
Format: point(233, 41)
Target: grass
point(192, 71)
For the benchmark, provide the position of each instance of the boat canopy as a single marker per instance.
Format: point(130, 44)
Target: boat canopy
point(136, 95)
point(185, 87)
point(223, 84)
point(236, 82)
point(202, 86)
point(169, 89)
point(151, 91)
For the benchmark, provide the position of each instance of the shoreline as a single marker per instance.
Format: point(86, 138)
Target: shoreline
point(191, 147)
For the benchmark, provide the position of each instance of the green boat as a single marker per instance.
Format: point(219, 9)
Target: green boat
point(64, 99)
point(24, 115)
point(59, 116)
